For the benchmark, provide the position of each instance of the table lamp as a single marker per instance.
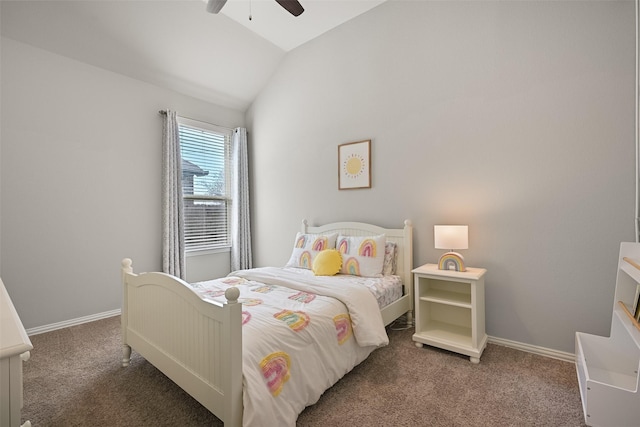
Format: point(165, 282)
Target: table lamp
point(451, 237)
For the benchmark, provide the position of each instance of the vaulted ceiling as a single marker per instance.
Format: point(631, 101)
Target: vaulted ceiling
point(223, 58)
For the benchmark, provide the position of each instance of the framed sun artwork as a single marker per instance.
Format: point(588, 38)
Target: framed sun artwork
point(354, 165)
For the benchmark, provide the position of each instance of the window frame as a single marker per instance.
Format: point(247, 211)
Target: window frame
point(227, 197)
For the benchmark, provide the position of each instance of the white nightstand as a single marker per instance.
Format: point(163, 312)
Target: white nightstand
point(449, 310)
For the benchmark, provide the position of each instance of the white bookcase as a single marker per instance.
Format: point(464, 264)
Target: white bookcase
point(449, 309)
point(608, 367)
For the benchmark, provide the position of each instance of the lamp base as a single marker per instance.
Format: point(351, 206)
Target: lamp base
point(451, 261)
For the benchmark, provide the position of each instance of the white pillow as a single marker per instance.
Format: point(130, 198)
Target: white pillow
point(362, 255)
point(307, 246)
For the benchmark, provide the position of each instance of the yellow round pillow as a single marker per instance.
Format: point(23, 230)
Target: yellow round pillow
point(327, 263)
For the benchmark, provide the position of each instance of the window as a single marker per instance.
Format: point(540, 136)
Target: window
point(205, 151)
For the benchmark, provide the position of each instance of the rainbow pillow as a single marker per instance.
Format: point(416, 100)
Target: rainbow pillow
point(362, 256)
point(307, 246)
point(327, 263)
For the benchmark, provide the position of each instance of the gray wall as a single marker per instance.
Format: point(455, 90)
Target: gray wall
point(516, 118)
point(80, 177)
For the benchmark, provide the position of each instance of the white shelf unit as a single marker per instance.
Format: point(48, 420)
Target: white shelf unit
point(608, 367)
point(449, 309)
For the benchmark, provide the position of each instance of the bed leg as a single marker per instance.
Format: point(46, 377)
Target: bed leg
point(410, 318)
point(126, 355)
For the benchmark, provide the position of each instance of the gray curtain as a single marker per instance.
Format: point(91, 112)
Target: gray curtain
point(240, 219)
point(172, 206)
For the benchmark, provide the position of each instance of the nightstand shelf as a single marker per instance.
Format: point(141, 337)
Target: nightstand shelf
point(438, 332)
point(446, 297)
point(449, 310)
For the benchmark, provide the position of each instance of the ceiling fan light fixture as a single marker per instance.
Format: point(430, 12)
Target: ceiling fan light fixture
point(214, 6)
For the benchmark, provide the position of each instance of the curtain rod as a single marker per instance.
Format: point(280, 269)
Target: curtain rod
point(164, 112)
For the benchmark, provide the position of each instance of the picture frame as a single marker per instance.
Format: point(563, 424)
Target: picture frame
point(354, 165)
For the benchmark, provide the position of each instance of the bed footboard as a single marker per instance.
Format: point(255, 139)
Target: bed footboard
point(195, 342)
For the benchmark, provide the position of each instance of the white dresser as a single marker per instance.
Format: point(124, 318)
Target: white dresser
point(14, 349)
point(608, 366)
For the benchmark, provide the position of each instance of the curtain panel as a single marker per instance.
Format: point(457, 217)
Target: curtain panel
point(172, 204)
point(240, 217)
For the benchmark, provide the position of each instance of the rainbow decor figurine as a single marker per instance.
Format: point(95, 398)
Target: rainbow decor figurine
point(451, 237)
point(451, 261)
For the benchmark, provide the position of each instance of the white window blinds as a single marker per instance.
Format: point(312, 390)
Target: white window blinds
point(205, 151)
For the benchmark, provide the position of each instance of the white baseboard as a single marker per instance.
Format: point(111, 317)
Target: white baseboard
point(73, 322)
point(542, 351)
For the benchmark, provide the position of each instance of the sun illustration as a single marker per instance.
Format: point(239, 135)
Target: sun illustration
point(353, 166)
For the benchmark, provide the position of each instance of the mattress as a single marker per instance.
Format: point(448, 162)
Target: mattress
point(386, 289)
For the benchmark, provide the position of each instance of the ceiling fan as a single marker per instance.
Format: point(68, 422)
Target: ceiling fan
point(292, 6)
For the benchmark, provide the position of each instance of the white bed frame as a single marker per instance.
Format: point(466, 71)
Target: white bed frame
point(198, 343)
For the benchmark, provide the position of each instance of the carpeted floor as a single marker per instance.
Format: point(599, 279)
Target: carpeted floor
point(74, 378)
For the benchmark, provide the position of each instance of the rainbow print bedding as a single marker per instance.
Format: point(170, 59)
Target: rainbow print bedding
point(301, 334)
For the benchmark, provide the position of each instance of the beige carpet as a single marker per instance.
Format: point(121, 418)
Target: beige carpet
point(74, 378)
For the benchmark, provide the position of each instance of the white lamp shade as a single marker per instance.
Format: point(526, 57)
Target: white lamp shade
point(451, 236)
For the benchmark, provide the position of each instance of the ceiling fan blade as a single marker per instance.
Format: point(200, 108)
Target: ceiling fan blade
point(214, 6)
point(293, 6)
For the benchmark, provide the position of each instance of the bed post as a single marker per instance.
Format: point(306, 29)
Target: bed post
point(408, 265)
point(126, 349)
point(233, 389)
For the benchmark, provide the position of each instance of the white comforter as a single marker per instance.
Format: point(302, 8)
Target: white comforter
point(301, 334)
